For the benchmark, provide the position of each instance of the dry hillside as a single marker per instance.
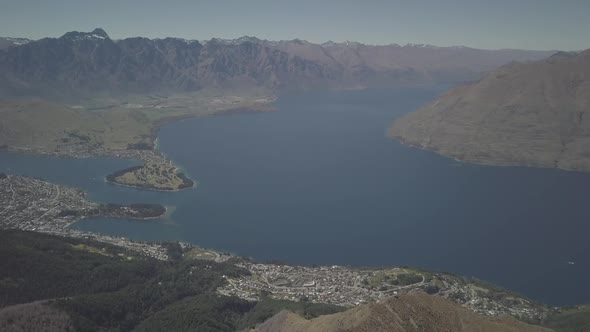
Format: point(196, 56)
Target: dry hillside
point(410, 312)
point(532, 114)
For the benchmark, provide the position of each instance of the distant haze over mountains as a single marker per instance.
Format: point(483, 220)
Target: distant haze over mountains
point(88, 63)
point(7, 42)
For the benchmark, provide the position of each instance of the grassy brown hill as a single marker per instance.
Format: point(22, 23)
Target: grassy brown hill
point(409, 312)
point(531, 114)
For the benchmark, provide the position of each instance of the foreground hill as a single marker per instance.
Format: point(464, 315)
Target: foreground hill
point(51, 283)
point(88, 64)
point(55, 283)
point(409, 312)
point(532, 114)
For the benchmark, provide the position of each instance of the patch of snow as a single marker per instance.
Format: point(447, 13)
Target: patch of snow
point(18, 41)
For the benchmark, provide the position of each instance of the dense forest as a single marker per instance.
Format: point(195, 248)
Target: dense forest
point(55, 284)
point(103, 287)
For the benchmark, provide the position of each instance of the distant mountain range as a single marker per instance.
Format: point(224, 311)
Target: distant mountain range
point(533, 114)
point(89, 63)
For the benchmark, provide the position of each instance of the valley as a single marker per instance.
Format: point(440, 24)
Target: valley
point(246, 160)
point(295, 166)
point(308, 177)
point(84, 94)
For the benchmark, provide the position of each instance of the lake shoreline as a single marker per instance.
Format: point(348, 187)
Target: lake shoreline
point(145, 153)
point(187, 182)
point(320, 183)
point(479, 162)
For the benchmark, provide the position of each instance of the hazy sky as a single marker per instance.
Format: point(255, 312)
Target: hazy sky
point(531, 24)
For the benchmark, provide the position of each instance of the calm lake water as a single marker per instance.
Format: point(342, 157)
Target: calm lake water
point(318, 182)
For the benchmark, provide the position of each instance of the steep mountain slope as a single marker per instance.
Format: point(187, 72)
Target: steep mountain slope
point(91, 64)
point(410, 312)
point(533, 114)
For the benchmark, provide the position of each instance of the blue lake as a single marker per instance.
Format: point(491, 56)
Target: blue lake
point(318, 182)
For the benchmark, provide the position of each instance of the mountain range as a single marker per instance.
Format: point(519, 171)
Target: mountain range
point(512, 107)
point(531, 114)
point(85, 64)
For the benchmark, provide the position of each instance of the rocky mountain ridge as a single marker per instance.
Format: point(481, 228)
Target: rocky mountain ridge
point(90, 63)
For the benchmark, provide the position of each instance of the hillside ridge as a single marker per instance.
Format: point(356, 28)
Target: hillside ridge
point(525, 114)
point(409, 312)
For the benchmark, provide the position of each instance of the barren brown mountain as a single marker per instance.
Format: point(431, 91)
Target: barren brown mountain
point(531, 114)
point(409, 312)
